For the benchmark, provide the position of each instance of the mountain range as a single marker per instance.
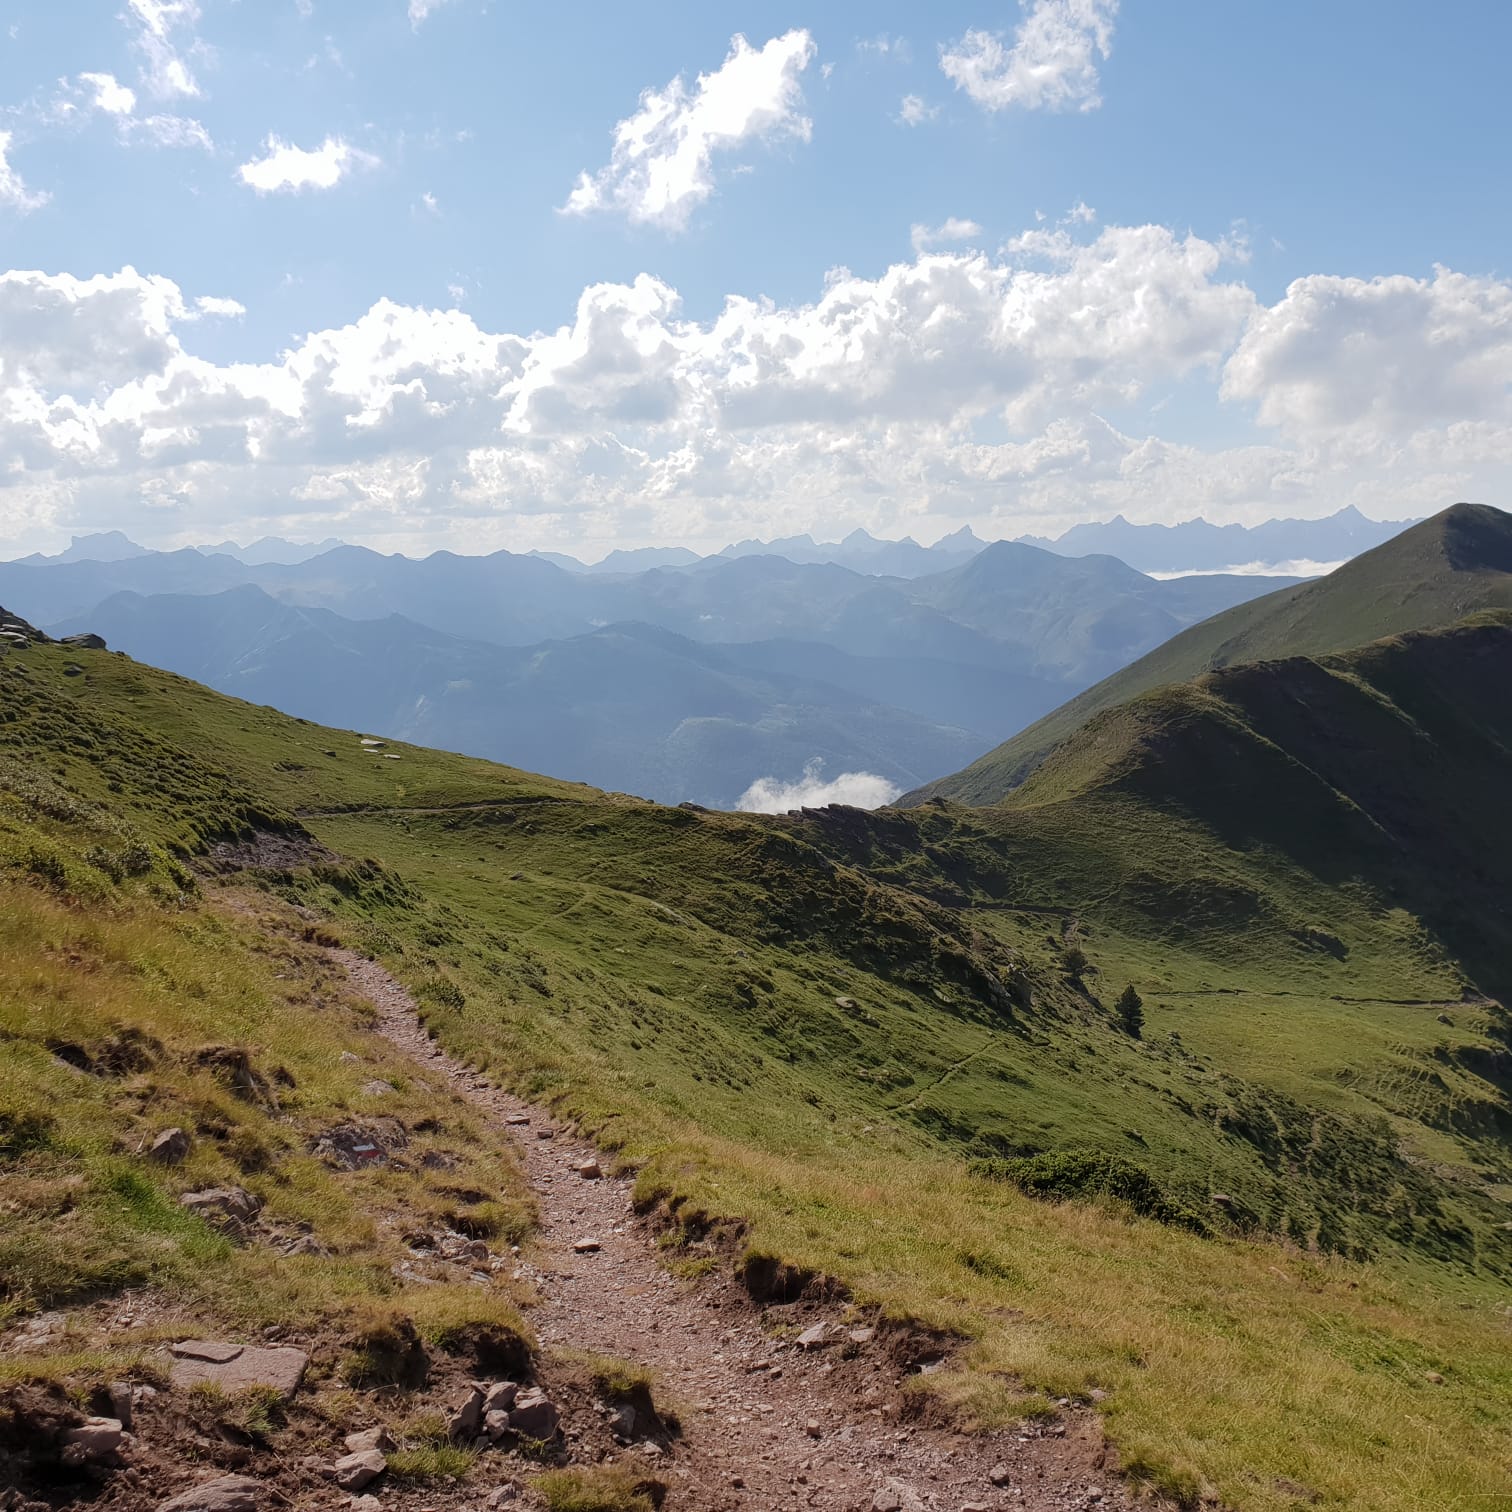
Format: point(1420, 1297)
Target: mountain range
point(1275, 546)
point(767, 664)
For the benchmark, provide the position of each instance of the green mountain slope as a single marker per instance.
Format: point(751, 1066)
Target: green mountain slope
point(830, 1038)
point(1435, 573)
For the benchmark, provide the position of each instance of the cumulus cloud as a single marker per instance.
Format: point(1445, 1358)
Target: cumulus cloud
point(770, 795)
point(166, 40)
point(950, 230)
point(1375, 359)
point(1051, 64)
point(661, 167)
point(959, 385)
point(14, 194)
point(914, 111)
point(287, 169)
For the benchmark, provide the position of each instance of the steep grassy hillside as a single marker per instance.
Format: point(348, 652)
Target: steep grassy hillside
point(1454, 564)
point(856, 1037)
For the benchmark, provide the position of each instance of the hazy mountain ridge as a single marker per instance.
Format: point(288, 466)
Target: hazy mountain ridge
point(628, 707)
point(1191, 546)
point(919, 675)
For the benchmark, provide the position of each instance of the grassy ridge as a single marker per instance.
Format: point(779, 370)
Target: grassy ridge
point(814, 1027)
point(1450, 566)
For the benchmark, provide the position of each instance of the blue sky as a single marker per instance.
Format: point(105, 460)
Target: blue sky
point(1238, 259)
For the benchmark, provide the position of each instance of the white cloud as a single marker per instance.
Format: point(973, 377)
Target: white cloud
point(14, 194)
point(770, 795)
point(285, 168)
point(420, 11)
point(166, 40)
point(109, 94)
point(1050, 65)
point(957, 386)
point(662, 164)
point(171, 131)
point(913, 111)
point(1370, 360)
point(954, 229)
point(1081, 214)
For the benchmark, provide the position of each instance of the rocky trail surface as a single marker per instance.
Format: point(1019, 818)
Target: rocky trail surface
point(791, 1406)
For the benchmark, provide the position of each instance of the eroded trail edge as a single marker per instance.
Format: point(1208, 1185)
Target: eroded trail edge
point(766, 1422)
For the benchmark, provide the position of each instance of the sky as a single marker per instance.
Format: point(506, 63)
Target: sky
point(462, 274)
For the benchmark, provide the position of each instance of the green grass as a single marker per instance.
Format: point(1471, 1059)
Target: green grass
point(597, 1488)
point(815, 1029)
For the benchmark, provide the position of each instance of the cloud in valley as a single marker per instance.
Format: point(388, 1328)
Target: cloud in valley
point(771, 795)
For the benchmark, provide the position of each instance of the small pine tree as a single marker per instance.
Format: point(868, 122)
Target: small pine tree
point(1130, 1011)
point(1074, 960)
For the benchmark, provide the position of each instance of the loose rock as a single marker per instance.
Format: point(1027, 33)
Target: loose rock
point(467, 1417)
point(96, 1442)
point(227, 1493)
point(232, 1210)
point(586, 1246)
point(169, 1148)
point(814, 1338)
point(1000, 1475)
point(534, 1415)
point(370, 1438)
point(897, 1496)
point(355, 1472)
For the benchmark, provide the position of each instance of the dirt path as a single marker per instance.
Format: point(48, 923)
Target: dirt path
point(766, 1425)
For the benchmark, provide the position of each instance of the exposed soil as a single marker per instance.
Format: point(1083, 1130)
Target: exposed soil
point(765, 1424)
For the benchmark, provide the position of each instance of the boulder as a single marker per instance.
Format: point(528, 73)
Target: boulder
point(88, 641)
point(227, 1493)
point(814, 1338)
point(585, 1246)
point(234, 1367)
point(501, 1396)
point(534, 1415)
point(169, 1148)
point(496, 1425)
point(356, 1472)
point(999, 1475)
point(589, 1170)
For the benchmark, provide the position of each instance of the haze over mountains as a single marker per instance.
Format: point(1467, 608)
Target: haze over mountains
point(681, 682)
point(1192, 546)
